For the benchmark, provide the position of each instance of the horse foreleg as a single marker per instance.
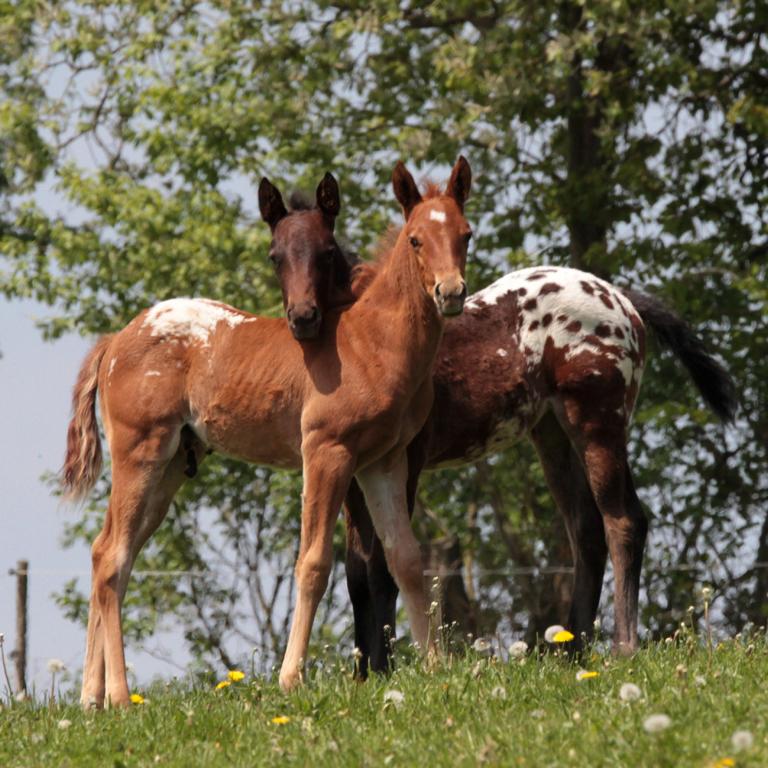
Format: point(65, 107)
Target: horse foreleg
point(359, 533)
point(384, 486)
point(327, 472)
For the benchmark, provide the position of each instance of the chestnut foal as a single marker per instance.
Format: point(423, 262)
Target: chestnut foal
point(555, 354)
point(188, 376)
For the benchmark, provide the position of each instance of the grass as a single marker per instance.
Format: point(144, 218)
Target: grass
point(467, 711)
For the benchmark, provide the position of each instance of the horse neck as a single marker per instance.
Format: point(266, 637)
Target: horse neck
point(413, 326)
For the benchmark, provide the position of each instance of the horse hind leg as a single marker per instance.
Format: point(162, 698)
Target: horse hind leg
point(142, 489)
point(570, 489)
point(598, 434)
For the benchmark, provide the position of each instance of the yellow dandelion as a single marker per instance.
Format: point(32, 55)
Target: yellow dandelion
point(586, 674)
point(724, 762)
point(563, 636)
point(223, 684)
point(137, 698)
point(235, 675)
point(281, 720)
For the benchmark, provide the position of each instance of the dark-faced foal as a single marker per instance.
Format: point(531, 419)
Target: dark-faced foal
point(555, 354)
point(190, 375)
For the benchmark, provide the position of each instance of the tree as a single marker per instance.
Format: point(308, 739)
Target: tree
point(628, 139)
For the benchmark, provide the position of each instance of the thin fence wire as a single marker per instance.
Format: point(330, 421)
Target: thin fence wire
point(533, 570)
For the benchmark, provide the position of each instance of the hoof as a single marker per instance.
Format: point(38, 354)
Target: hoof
point(290, 681)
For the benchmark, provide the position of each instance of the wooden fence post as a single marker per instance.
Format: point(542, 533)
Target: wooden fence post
point(20, 651)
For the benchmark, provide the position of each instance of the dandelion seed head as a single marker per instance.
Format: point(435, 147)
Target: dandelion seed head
point(518, 649)
point(64, 724)
point(630, 692)
point(656, 723)
point(550, 632)
point(742, 741)
point(394, 697)
point(55, 665)
point(482, 645)
point(499, 692)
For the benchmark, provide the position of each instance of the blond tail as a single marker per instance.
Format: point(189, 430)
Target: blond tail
point(83, 461)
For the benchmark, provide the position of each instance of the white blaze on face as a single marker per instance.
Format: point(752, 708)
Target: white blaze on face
point(193, 319)
point(438, 216)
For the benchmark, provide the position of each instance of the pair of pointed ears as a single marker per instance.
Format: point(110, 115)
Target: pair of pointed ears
point(273, 209)
point(408, 195)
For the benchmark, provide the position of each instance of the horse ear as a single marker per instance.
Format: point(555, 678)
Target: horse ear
point(327, 196)
point(271, 203)
point(460, 182)
point(406, 191)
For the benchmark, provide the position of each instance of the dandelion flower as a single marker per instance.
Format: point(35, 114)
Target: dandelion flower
point(742, 740)
point(499, 692)
point(223, 684)
point(64, 724)
point(235, 675)
point(630, 692)
point(724, 762)
point(137, 698)
point(281, 720)
point(55, 665)
point(394, 697)
point(586, 674)
point(558, 634)
point(656, 723)
point(518, 649)
point(481, 645)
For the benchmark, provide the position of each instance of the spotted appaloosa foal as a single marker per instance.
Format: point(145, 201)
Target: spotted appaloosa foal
point(187, 376)
point(555, 354)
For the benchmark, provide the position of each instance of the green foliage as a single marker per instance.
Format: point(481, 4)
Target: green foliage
point(466, 712)
point(625, 138)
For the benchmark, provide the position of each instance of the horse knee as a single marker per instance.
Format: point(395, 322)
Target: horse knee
point(312, 574)
point(629, 531)
point(404, 560)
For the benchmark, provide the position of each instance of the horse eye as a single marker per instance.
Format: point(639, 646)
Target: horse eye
point(414, 241)
point(274, 258)
point(467, 237)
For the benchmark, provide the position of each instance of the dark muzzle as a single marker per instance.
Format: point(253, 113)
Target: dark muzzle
point(450, 298)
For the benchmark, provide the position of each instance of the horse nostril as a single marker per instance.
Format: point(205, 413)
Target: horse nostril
point(463, 294)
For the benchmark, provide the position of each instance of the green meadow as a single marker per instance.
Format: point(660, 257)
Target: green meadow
point(675, 703)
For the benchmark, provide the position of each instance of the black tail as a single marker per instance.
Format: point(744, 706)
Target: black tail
point(711, 379)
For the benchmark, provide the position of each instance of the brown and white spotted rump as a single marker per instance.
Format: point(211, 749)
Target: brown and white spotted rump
point(557, 355)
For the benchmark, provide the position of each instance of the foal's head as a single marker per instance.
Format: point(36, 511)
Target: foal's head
point(438, 234)
point(308, 261)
